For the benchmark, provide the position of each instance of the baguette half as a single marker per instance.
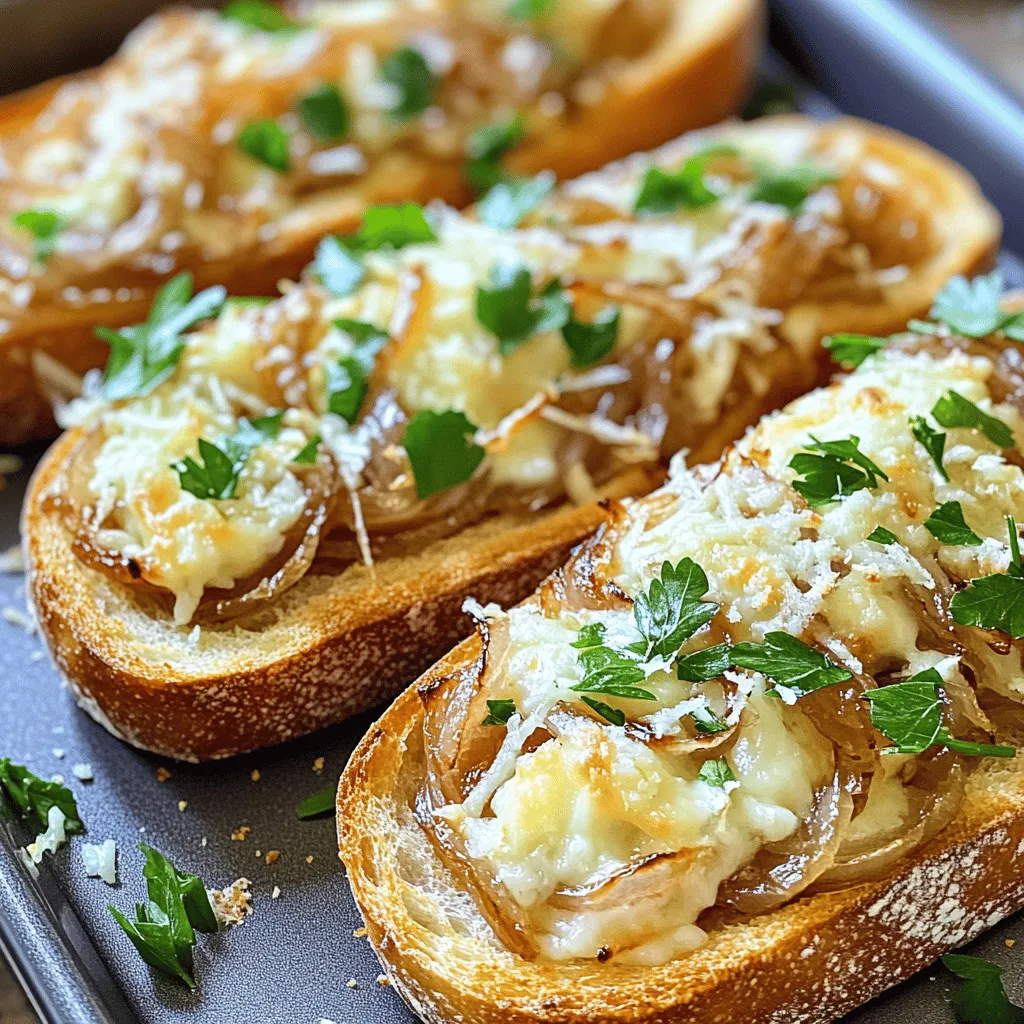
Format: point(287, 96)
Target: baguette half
point(336, 644)
point(695, 72)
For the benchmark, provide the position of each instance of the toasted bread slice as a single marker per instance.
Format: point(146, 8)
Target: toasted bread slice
point(693, 70)
point(467, 838)
point(336, 644)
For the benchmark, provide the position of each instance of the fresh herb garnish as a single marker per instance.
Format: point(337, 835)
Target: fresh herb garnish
point(707, 722)
point(337, 268)
point(700, 666)
point(673, 608)
point(852, 349)
point(789, 187)
point(34, 796)
point(441, 450)
point(323, 111)
point(789, 663)
point(393, 226)
point(408, 71)
point(880, 535)
point(144, 355)
point(346, 387)
point(953, 410)
point(606, 670)
point(910, 714)
point(606, 711)
point(265, 141)
point(934, 442)
point(368, 337)
point(499, 712)
point(45, 227)
point(509, 202)
point(217, 477)
point(590, 635)
point(258, 14)
point(971, 308)
point(837, 471)
point(318, 804)
point(308, 455)
point(485, 148)
point(525, 9)
point(716, 773)
point(995, 601)
point(507, 309)
point(982, 999)
point(590, 343)
point(947, 525)
point(662, 192)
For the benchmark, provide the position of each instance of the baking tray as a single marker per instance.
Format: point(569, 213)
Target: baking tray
point(296, 958)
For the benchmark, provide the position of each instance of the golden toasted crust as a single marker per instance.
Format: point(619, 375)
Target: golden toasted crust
point(807, 963)
point(698, 73)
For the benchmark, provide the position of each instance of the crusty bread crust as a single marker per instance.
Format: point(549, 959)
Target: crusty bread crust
point(697, 74)
point(807, 963)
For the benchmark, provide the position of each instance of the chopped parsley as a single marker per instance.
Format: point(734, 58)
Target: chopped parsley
point(662, 192)
point(910, 714)
point(880, 535)
point(707, 722)
point(308, 455)
point(164, 927)
point(971, 308)
point(606, 670)
point(590, 635)
point(947, 525)
point(259, 15)
point(318, 804)
point(45, 227)
point(217, 476)
point(836, 470)
point(789, 663)
point(788, 187)
point(144, 355)
point(995, 601)
point(441, 450)
point(852, 349)
point(606, 711)
point(265, 141)
point(673, 608)
point(336, 267)
point(499, 712)
point(34, 796)
point(408, 71)
point(324, 113)
point(700, 666)
point(953, 410)
point(523, 10)
point(346, 387)
point(934, 442)
point(392, 226)
point(485, 148)
point(716, 773)
point(590, 343)
point(981, 999)
point(507, 309)
point(512, 199)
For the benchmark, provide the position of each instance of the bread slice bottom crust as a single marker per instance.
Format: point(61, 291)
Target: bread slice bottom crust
point(807, 963)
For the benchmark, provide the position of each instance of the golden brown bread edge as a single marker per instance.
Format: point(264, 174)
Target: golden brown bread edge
point(807, 963)
point(339, 645)
point(698, 73)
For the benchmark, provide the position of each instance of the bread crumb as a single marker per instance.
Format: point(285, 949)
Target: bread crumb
point(382, 980)
point(1010, 943)
point(259, 853)
point(162, 774)
point(276, 892)
point(351, 983)
point(182, 804)
point(359, 933)
point(318, 765)
point(255, 775)
point(202, 842)
point(272, 856)
point(241, 832)
point(232, 904)
point(309, 859)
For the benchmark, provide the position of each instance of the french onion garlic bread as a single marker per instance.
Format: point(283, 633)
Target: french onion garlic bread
point(737, 760)
point(228, 143)
point(265, 523)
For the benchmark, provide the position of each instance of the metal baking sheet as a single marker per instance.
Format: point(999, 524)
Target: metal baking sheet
point(295, 958)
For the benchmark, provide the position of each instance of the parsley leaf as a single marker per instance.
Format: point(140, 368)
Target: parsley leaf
point(508, 203)
point(606, 711)
point(265, 141)
point(308, 455)
point(934, 442)
point(441, 450)
point(318, 804)
point(707, 722)
point(789, 663)
point(672, 610)
point(144, 355)
point(150, 934)
point(407, 69)
point(499, 712)
point(323, 112)
point(524, 9)
point(590, 343)
point(590, 635)
point(716, 773)
point(45, 227)
point(35, 796)
point(662, 192)
point(995, 601)
point(837, 472)
point(609, 671)
point(260, 15)
point(505, 307)
point(485, 147)
point(880, 535)
point(971, 308)
point(947, 525)
point(392, 226)
point(700, 666)
point(953, 410)
point(336, 267)
point(982, 999)
point(852, 349)
point(346, 388)
point(789, 187)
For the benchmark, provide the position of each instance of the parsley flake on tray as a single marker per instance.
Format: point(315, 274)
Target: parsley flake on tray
point(318, 804)
point(981, 999)
point(34, 797)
